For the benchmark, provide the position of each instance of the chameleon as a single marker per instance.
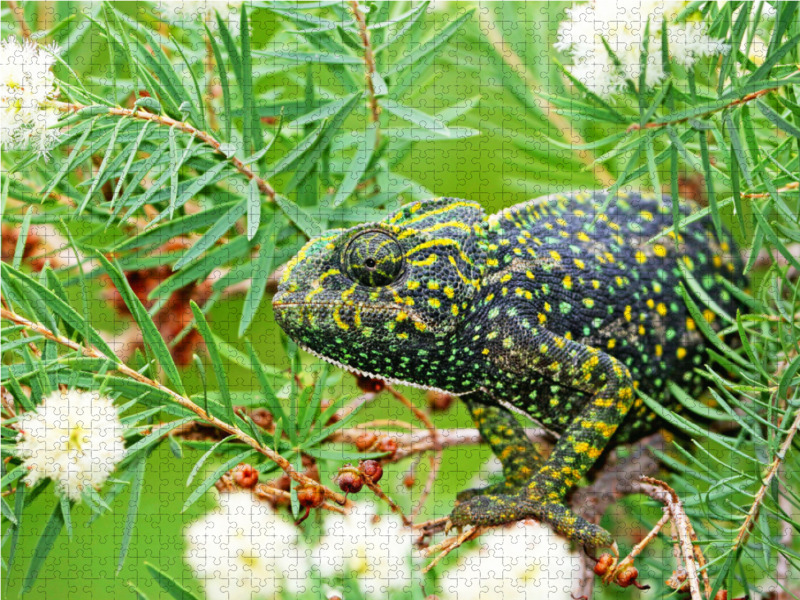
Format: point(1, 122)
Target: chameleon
point(551, 309)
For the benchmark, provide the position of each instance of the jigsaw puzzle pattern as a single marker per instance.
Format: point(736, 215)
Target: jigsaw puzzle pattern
point(256, 345)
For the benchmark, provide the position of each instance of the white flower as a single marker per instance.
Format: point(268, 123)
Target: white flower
point(622, 23)
point(27, 85)
point(74, 438)
point(244, 550)
point(374, 549)
point(522, 561)
point(203, 10)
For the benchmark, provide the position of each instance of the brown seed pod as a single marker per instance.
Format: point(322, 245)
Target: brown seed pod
point(245, 476)
point(628, 577)
point(409, 480)
point(439, 401)
point(310, 496)
point(370, 385)
point(386, 444)
point(262, 417)
point(603, 564)
point(372, 469)
point(721, 595)
point(349, 480)
point(365, 441)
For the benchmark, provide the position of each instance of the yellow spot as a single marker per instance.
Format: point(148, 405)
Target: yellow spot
point(530, 275)
point(646, 215)
point(555, 255)
point(505, 278)
point(651, 304)
point(660, 250)
point(485, 351)
point(579, 263)
point(420, 325)
point(690, 324)
point(588, 303)
point(543, 348)
point(402, 336)
point(582, 236)
point(641, 330)
point(542, 318)
point(568, 335)
point(688, 262)
point(725, 247)
point(449, 292)
point(628, 313)
point(454, 310)
point(412, 285)
point(338, 319)
point(661, 309)
point(640, 257)
point(434, 302)
point(681, 353)
point(717, 262)
point(433, 285)
point(595, 284)
point(423, 263)
point(492, 262)
point(604, 402)
point(709, 316)
point(327, 274)
point(611, 343)
point(489, 298)
point(581, 447)
point(547, 307)
point(567, 282)
point(659, 350)
point(594, 452)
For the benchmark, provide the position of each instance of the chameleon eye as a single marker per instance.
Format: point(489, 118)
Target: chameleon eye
point(374, 259)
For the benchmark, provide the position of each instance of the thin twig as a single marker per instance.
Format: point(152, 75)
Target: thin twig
point(203, 136)
point(369, 62)
point(92, 352)
point(262, 490)
point(787, 188)
point(19, 16)
point(736, 102)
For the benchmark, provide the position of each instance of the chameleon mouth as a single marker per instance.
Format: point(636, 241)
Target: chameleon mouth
point(389, 380)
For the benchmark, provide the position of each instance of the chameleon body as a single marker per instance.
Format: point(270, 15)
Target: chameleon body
point(529, 311)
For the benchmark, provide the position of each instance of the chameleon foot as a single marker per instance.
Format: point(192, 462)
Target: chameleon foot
point(498, 509)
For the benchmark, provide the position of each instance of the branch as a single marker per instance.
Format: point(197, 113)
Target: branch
point(92, 352)
point(205, 137)
point(737, 102)
point(19, 16)
point(369, 61)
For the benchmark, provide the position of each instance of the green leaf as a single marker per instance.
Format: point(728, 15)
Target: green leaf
point(773, 58)
point(197, 184)
point(62, 309)
point(65, 510)
point(252, 122)
point(69, 162)
point(214, 477)
point(211, 236)
point(43, 547)
point(310, 160)
point(253, 208)
point(296, 153)
point(270, 399)
point(311, 57)
point(223, 79)
point(777, 120)
point(8, 512)
point(299, 216)
point(23, 237)
point(216, 360)
point(419, 118)
point(137, 484)
point(169, 585)
point(132, 150)
point(357, 166)
point(150, 333)
point(199, 464)
point(262, 268)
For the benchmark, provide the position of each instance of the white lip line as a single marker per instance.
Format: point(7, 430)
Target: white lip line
point(375, 376)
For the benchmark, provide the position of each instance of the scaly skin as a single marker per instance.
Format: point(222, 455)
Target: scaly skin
point(527, 310)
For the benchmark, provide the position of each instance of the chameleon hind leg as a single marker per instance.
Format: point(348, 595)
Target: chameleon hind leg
point(580, 445)
point(509, 443)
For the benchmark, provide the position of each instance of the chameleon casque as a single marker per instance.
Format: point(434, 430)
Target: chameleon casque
point(526, 311)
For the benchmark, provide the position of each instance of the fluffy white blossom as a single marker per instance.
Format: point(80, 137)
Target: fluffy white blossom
point(203, 10)
point(243, 550)
point(522, 561)
point(372, 548)
point(27, 85)
point(622, 23)
point(74, 438)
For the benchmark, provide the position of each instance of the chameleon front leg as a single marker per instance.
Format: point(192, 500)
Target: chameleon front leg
point(509, 443)
point(609, 382)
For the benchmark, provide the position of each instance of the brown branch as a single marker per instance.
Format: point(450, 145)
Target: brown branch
point(737, 102)
point(787, 188)
point(19, 17)
point(92, 352)
point(203, 136)
point(369, 62)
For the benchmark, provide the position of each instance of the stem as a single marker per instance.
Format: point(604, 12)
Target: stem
point(92, 352)
point(19, 16)
point(203, 136)
point(369, 61)
point(737, 102)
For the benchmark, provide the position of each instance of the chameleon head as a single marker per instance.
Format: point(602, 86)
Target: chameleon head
point(381, 294)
